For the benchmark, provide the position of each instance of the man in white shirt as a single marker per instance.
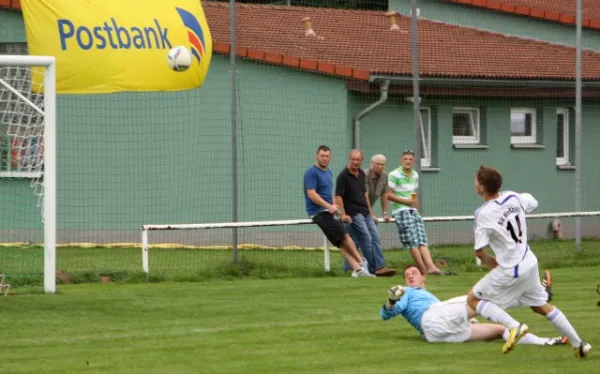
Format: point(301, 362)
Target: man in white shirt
point(514, 277)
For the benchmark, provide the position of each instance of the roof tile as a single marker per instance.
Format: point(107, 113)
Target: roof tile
point(356, 44)
point(362, 40)
point(591, 8)
point(555, 9)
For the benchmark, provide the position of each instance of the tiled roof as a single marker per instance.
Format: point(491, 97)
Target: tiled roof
point(357, 44)
point(363, 42)
point(11, 4)
point(563, 11)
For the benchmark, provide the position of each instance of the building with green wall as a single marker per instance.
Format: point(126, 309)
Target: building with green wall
point(129, 159)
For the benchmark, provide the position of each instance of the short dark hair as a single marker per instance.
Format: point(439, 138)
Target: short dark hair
point(489, 178)
point(411, 266)
point(323, 148)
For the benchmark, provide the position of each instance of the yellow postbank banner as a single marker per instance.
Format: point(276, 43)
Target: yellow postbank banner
point(118, 45)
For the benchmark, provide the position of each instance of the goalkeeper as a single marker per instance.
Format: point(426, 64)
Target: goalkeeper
point(450, 321)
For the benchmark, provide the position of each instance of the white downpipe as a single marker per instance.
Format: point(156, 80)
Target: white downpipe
point(382, 99)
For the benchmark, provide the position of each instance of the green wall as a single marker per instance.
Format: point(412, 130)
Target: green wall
point(12, 29)
point(284, 116)
point(133, 158)
point(498, 22)
point(449, 191)
point(127, 159)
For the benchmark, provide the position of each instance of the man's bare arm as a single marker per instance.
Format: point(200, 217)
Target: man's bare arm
point(400, 200)
point(340, 204)
point(369, 204)
point(315, 198)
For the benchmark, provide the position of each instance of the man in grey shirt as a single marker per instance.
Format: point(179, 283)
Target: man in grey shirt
point(377, 183)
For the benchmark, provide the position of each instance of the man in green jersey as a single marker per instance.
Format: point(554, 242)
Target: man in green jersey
point(402, 193)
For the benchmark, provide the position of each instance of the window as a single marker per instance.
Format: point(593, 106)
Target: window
point(562, 136)
point(523, 126)
point(425, 137)
point(21, 127)
point(465, 126)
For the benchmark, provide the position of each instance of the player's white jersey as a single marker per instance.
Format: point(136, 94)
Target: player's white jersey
point(501, 225)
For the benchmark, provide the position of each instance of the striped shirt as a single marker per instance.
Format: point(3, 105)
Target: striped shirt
point(403, 186)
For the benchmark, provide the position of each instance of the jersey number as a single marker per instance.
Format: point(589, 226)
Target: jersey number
point(516, 235)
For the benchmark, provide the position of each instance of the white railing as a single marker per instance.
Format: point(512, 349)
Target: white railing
point(296, 222)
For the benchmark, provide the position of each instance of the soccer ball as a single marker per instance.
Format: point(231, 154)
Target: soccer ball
point(179, 58)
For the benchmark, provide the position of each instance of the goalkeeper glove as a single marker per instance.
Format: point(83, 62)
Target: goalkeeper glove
point(395, 294)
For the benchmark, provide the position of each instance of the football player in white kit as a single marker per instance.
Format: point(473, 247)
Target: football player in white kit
point(514, 277)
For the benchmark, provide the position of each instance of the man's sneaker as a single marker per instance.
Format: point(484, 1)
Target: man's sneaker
point(362, 273)
point(547, 282)
point(559, 340)
point(514, 335)
point(385, 272)
point(364, 264)
point(583, 350)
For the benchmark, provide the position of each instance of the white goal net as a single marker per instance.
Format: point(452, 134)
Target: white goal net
point(27, 155)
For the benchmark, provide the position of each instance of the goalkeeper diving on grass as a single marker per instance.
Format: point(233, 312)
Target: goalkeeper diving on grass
point(450, 321)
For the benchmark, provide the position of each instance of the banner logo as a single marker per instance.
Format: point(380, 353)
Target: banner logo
point(112, 35)
point(119, 46)
point(195, 34)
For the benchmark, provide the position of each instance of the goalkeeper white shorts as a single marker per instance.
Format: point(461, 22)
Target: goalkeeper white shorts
point(446, 322)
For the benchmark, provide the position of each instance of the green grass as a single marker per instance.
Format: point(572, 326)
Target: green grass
point(327, 325)
point(23, 265)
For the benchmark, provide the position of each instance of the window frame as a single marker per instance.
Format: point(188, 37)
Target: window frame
point(564, 160)
point(524, 139)
point(476, 126)
point(425, 137)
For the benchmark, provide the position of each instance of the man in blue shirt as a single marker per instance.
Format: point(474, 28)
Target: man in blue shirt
point(318, 196)
point(449, 321)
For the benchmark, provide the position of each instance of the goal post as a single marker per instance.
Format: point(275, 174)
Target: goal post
point(42, 171)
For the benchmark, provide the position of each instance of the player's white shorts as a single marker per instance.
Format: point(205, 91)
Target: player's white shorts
point(503, 289)
point(446, 322)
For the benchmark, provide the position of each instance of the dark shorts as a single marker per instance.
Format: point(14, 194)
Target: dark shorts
point(333, 229)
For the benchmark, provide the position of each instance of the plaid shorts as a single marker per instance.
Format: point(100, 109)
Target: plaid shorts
point(410, 228)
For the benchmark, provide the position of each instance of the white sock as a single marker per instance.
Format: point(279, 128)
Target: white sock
point(495, 314)
point(527, 339)
point(562, 324)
